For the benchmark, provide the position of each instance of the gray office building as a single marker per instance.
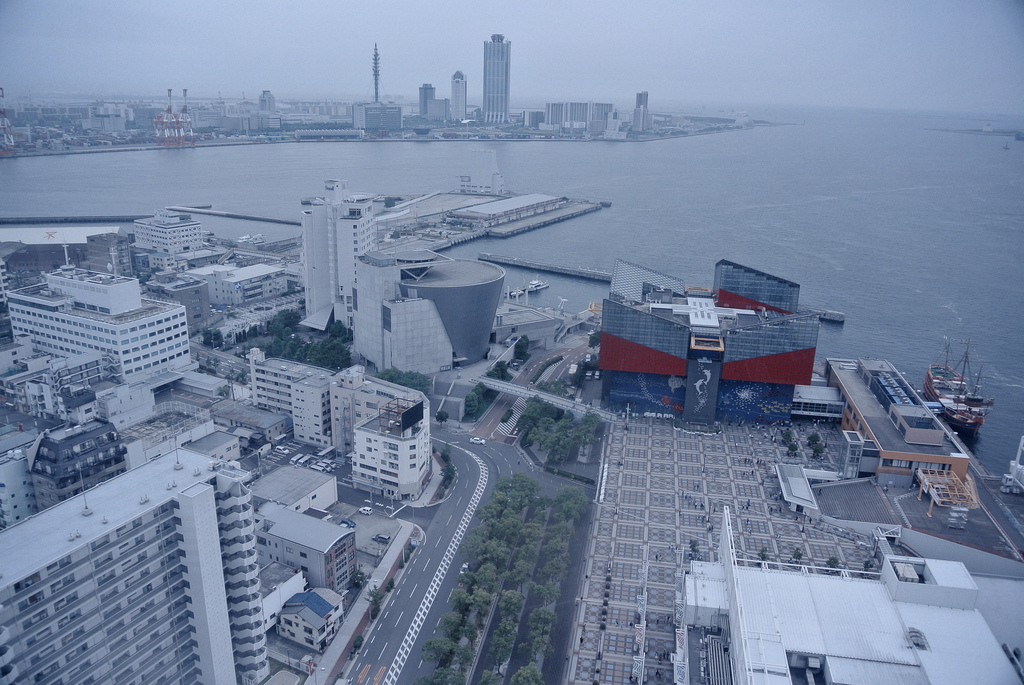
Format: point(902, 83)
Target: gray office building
point(421, 311)
point(497, 59)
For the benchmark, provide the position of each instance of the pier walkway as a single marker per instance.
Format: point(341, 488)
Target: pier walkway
point(591, 274)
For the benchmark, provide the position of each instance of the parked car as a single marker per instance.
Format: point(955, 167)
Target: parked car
point(465, 567)
point(477, 441)
point(348, 522)
point(366, 510)
point(382, 538)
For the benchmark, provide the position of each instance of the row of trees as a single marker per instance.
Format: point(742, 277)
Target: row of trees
point(554, 430)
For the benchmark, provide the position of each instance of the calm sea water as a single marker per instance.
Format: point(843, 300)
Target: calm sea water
point(913, 233)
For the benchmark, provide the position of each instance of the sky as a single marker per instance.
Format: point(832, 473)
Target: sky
point(942, 55)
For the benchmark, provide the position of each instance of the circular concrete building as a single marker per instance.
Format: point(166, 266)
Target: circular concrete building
point(421, 311)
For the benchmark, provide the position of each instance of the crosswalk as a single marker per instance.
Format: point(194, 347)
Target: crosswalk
point(509, 427)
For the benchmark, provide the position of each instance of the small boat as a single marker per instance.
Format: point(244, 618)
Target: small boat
point(535, 285)
point(245, 238)
point(963, 407)
point(258, 239)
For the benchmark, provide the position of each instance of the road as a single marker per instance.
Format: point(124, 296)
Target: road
point(382, 644)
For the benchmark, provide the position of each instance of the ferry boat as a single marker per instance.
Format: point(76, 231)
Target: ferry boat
point(535, 285)
point(963, 406)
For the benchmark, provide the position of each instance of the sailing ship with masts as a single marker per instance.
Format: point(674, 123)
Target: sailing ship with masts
point(963, 406)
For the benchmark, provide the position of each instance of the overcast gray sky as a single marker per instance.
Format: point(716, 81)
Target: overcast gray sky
point(905, 54)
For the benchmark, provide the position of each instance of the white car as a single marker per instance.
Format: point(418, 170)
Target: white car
point(477, 441)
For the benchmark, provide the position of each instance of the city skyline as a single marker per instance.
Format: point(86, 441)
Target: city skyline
point(915, 55)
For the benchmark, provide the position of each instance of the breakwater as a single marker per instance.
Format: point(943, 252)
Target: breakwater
point(591, 274)
point(235, 215)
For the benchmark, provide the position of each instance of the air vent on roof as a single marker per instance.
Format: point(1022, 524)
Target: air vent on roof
point(917, 638)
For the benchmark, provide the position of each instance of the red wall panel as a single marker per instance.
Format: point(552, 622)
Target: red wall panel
point(734, 301)
point(619, 354)
point(788, 368)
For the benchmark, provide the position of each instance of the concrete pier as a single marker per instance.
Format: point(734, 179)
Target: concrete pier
point(591, 274)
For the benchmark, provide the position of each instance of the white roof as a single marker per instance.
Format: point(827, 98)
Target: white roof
point(52, 235)
point(234, 274)
point(795, 488)
point(491, 208)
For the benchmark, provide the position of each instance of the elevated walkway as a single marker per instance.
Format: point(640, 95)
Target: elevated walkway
point(577, 408)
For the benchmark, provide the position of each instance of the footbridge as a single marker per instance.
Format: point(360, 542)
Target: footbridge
point(577, 408)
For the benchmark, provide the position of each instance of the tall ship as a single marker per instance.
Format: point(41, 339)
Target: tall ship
point(963, 406)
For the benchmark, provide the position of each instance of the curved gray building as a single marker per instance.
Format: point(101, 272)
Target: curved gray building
point(422, 311)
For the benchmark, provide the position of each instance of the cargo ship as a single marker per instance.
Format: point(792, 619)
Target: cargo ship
point(962, 405)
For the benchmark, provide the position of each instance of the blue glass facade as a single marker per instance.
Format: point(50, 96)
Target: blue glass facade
point(757, 285)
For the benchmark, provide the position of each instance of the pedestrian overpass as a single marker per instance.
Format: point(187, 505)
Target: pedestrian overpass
point(577, 408)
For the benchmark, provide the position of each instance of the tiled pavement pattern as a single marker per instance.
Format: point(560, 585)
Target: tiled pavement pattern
point(666, 487)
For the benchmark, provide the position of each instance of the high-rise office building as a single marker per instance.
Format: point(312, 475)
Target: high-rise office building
point(335, 231)
point(642, 118)
point(458, 107)
point(497, 58)
point(161, 586)
point(426, 95)
point(267, 102)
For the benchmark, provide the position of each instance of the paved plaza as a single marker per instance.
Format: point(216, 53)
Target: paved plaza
point(666, 487)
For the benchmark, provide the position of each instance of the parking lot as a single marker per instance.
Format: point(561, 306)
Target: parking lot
point(374, 532)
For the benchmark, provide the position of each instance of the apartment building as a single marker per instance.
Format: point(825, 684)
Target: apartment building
point(299, 390)
point(160, 586)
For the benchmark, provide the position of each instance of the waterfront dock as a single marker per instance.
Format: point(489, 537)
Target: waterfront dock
point(111, 219)
point(569, 211)
point(590, 274)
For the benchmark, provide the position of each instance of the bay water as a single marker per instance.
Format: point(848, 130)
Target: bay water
point(912, 230)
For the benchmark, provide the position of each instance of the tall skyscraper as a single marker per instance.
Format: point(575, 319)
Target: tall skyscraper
point(642, 118)
point(497, 59)
point(426, 95)
point(458, 96)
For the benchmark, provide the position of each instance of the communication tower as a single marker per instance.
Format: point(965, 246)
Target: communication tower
point(376, 74)
point(6, 132)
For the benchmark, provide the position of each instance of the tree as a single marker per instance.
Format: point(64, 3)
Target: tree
point(489, 678)
point(440, 650)
point(694, 548)
point(376, 597)
point(595, 339)
point(570, 503)
point(390, 586)
point(869, 564)
point(787, 435)
point(818, 449)
point(358, 578)
point(798, 554)
point(813, 439)
point(763, 554)
point(409, 379)
point(528, 675)
point(441, 416)
point(510, 604)
point(450, 625)
point(793, 448)
point(522, 348)
point(500, 371)
point(442, 676)
point(833, 562)
point(223, 391)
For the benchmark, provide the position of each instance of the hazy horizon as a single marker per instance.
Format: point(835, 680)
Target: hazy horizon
point(915, 55)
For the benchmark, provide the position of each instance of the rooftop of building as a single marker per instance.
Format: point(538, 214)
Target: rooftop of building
point(308, 531)
point(886, 434)
point(69, 432)
point(490, 209)
point(169, 218)
point(250, 416)
point(288, 484)
point(275, 574)
point(321, 600)
point(763, 274)
point(297, 372)
point(54, 235)
point(43, 538)
point(169, 418)
point(42, 292)
point(212, 441)
point(236, 274)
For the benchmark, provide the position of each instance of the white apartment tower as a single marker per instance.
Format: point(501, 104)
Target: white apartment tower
point(335, 231)
point(77, 311)
point(497, 59)
point(151, 577)
point(458, 96)
point(300, 390)
point(168, 231)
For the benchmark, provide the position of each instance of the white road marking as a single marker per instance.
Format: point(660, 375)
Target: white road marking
point(435, 583)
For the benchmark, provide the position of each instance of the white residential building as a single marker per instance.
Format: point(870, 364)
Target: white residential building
point(232, 285)
point(152, 579)
point(300, 390)
point(335, 231)
point(392, 449)
point(77, 311)
point(168, 231)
